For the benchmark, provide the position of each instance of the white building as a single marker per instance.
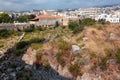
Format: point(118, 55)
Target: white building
point(68, 15)
point(88, 12)
point(117, 13)
point(108, 17)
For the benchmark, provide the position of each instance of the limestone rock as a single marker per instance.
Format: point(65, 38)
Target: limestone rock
point(29, 57)
point(76, 49)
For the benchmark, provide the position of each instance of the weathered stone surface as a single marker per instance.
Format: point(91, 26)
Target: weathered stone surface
point(29, 57)
point(76, 49)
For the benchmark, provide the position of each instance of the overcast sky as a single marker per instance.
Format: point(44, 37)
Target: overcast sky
point(51, 4)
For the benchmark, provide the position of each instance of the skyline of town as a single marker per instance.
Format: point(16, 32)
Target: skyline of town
point(16, 5)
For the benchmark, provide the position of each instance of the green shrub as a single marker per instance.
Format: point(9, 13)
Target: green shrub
point(75, 27)
point(46, 64)
point(63, 45)
point(101, 21)
point(19, 52)
point(57, 24)
point(36, 40)
point(39, 58)
point(22, 19)
point(78, 29)
point(63, 27)
point(63, 51)
point(36, 46)
point(31, 28)
point(118, 56)
point(88, 21)
point(38, 55)
point(22, 45)
point(79, 39)
point(1, 45)
point(4, 33)
point(109, 53)
point(93, 55)
point(40, 28)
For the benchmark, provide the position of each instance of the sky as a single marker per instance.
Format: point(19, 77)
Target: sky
point(20, 5)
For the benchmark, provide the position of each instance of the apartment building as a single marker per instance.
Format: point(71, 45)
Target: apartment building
point(108, 17)
point(88, 12)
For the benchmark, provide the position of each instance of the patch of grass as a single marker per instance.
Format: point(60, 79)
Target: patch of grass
point(39, 55)
point(60, 59)
point(36, 46)
point(1, 45)
point(46, 64)
point(63, 45)
point(93, 55)
point(38, 58)
point(36, 40)
point(75, 69)
point(63, 51)
point(103, 63)
point(109, 53)
point(79, 39)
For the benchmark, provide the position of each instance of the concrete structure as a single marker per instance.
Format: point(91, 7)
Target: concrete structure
point(14, 26)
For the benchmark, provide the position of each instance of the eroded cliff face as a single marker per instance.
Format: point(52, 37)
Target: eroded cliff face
point(96, 58)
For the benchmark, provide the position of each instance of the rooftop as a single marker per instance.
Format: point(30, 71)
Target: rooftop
point(46, 16)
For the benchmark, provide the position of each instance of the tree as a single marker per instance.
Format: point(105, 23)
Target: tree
point(31, 16)
point(22, 19)
point(72, 25)
point(5, 18)
point(57, 24)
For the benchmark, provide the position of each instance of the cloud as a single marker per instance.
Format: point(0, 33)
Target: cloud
point(51, 4)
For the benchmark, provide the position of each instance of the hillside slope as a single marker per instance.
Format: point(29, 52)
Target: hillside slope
point(96, 57)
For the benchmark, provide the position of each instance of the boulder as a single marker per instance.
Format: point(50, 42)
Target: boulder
point(76, 49)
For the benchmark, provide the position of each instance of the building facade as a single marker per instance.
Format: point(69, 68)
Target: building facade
point(108, 17)
point(46, 20)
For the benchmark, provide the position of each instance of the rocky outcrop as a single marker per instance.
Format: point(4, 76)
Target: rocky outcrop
point(13, 67)
point(29, 57)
